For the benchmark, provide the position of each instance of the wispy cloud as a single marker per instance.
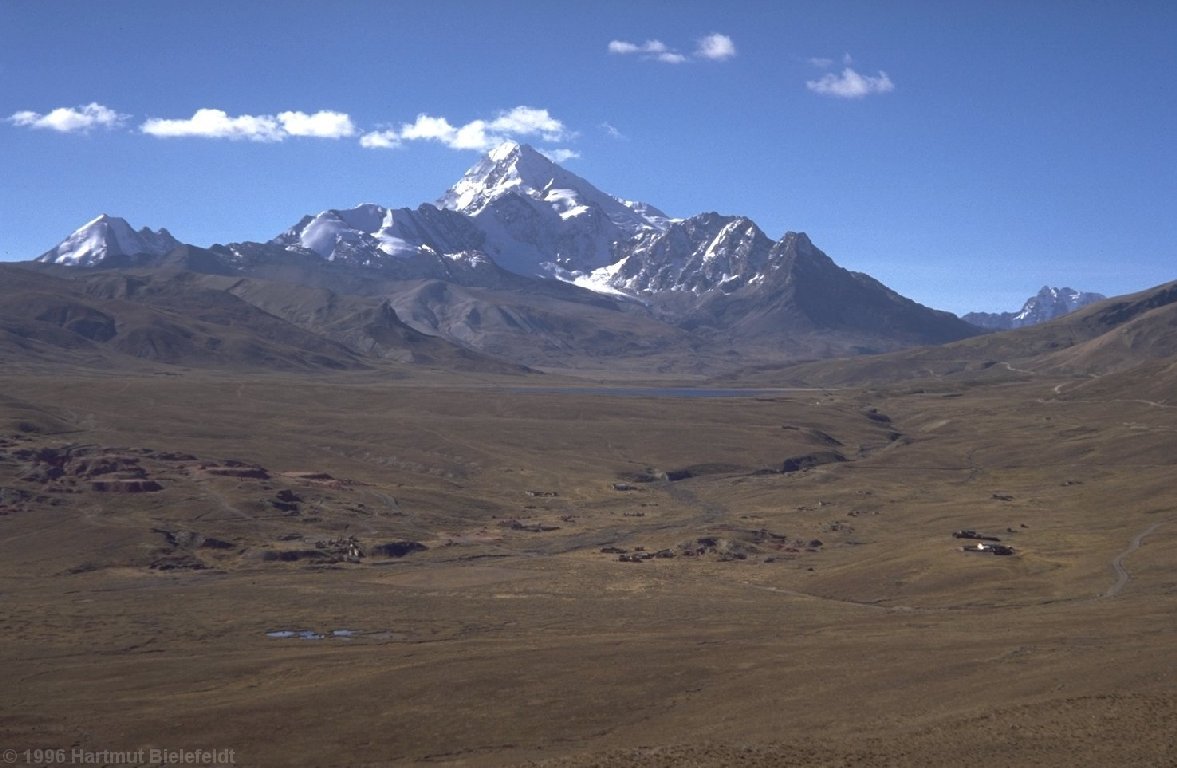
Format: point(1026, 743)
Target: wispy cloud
point(612, 132)
point(559, 155)
point(850, 84)
point(380, 140)
point(716, 47)
point(713, 47)
point(648, 47)
point(480, 135)
point(217, 124)
point(651, 49)
point(71, 119)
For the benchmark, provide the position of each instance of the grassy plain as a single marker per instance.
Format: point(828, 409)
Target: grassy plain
point(826, 615)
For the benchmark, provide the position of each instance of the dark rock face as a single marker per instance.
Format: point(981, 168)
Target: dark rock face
point(83, 320)
point(106, 470)
point(294, 555)
point(242, 471)
point(810, 460)
point(397, 548)
point(126, 486)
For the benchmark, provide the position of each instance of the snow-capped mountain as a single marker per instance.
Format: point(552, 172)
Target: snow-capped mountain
point(472, 269)
point(373, 236)
point(699, 254)
point(107, 239)
point(724, 273)
point(1047, 304)
point(541, 219)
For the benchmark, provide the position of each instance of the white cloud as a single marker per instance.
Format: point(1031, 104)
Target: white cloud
point(713, 47)
point(850, 84)
point(473, 135)
point(559, 155)
point(71, 119)
point(654, 50)
point(522, 122)
point(481, 135)
point(527, 121)
point(426, 127)
point(322, 124)
point(716, 47)
point(380, 140)
point(650, 47)
point(217, 124)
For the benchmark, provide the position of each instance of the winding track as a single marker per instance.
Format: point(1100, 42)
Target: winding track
point(1122, 575)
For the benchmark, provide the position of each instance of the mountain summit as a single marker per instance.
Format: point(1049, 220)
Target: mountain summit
point(541, 219)
point(108, 240)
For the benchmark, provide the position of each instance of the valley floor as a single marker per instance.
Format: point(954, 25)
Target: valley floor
point(353, 571)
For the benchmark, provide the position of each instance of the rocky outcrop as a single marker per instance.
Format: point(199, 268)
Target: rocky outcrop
point(397, 549)
point(810, 460)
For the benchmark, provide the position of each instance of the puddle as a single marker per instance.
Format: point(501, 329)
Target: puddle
point(302, 634)
point(310, 634)
point(337, 634)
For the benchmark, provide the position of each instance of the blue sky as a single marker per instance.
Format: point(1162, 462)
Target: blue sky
point(964, 154)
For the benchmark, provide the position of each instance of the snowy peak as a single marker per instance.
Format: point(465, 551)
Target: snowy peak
point(334, 230)
point(708, 252)
point(108, 238)
point(702, 253)
point(541, 219)
point(521, 169)
point(371, 235)
point(509, 167)
point(1049, 303)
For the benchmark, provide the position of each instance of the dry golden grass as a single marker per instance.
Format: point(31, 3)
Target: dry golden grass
point(500, 644)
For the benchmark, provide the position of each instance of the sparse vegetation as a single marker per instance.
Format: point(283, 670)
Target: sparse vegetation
point(395, 563)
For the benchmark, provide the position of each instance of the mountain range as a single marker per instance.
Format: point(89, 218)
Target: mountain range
point(525, 262)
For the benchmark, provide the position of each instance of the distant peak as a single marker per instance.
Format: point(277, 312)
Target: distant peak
point(106, 236)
